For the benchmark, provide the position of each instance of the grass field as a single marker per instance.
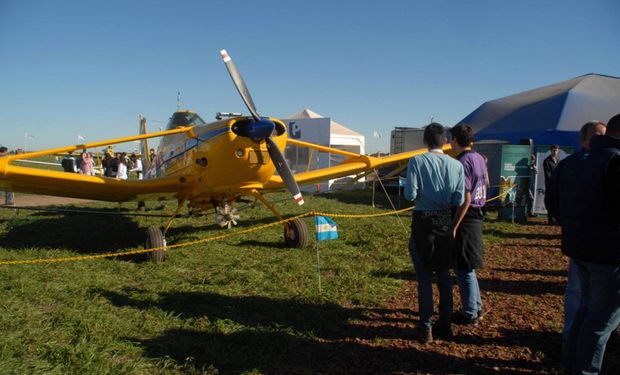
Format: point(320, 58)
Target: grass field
point(245, 304)
point(120, 315)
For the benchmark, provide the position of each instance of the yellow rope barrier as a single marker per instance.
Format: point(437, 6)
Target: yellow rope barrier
point(204, 240)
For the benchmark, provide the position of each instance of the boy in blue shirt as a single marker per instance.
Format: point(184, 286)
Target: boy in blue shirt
point(435, 182)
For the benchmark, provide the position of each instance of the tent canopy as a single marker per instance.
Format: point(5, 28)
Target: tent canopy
point(335, 127)
point(549, 114)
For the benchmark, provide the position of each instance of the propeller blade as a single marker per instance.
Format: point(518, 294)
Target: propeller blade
point(239, 84)
point(284, 171)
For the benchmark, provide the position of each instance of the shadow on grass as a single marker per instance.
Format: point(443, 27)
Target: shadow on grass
point(280, 336)
point(87, 231)
point(81, 233)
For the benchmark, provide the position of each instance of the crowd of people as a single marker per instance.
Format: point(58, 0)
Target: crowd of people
point(581, 196)
point(117, 165)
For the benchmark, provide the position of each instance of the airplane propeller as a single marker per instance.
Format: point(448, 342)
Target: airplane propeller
point(262, 128)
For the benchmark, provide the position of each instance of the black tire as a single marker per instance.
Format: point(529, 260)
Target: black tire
point(296, 234)
point(154, 239)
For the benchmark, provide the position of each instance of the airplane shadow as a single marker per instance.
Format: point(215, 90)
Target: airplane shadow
point(92, 233)
point(211, 226)
point(88, 231)
point(292, 336)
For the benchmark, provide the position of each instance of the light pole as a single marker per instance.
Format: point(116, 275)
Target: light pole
point(26, 137)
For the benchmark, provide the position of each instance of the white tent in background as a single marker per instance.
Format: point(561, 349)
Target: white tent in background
point(310, 126)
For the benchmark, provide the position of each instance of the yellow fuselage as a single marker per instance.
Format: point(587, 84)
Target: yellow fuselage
point(216, 160)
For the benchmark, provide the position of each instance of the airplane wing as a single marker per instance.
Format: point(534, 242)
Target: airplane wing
point(353, 164)
point(25, 179)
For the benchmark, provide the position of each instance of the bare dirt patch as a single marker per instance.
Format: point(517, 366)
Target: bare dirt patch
point(33, 200)
point(522, 285)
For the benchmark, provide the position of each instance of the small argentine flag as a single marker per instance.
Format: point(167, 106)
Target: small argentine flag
point(326, 228)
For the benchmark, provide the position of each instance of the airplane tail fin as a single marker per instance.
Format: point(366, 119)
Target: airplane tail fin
point(144, 146)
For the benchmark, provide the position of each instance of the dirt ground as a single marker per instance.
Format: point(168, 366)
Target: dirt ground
point(522, 288)
point(32, 200)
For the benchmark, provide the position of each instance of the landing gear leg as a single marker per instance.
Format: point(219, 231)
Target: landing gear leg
point(295, 231)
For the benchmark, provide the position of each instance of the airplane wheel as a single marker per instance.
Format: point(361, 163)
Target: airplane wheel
point(296, 234)
point(155, 238)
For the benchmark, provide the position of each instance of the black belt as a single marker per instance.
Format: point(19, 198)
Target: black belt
point(429, 213)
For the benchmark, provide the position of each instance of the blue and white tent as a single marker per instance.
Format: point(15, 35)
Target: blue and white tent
point(549, 114)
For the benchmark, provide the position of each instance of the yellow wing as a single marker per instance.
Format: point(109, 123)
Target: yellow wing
point(40, 181)
point(353, 164)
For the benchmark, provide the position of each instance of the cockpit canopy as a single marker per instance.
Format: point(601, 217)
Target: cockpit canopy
point(184, 118)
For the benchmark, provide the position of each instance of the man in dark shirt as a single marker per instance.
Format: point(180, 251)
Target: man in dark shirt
point(68, 163)
point(549, 165)
point(572, 293)
point(582, 193)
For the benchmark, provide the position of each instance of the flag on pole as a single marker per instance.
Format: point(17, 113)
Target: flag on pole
point(326, 228)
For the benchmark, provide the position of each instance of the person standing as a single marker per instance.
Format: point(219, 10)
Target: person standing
point(549, 164)
point(435, 182)
point(572, 293)
point(86, 166)
point(136, 165)
point(68, 163)
point(121, 167)
point(469, 247)
point(582, 194)
point(9, 196)
point(532, 186)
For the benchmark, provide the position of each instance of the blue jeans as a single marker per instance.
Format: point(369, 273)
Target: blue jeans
point(425, 291)
point(572, 297)
point(597, 317)
point(470, 293)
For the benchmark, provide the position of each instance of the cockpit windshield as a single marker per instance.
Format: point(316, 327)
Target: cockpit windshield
point(184, 119)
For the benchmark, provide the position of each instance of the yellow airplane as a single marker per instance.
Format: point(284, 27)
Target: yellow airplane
point(206, 165)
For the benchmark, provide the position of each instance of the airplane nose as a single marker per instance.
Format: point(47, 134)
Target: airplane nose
point(261, 129)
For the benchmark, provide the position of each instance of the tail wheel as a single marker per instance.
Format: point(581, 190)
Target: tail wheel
point(296, 234)
point(155, 239)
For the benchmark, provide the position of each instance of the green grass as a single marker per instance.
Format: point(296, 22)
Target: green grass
point(230, 306)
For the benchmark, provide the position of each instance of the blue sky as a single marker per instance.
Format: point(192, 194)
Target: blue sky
point(90, 67)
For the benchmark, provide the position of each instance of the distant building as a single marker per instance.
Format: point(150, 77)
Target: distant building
point(406, 139)
point(312, 127)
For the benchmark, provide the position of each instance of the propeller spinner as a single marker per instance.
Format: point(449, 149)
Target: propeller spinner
point(262, 129)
